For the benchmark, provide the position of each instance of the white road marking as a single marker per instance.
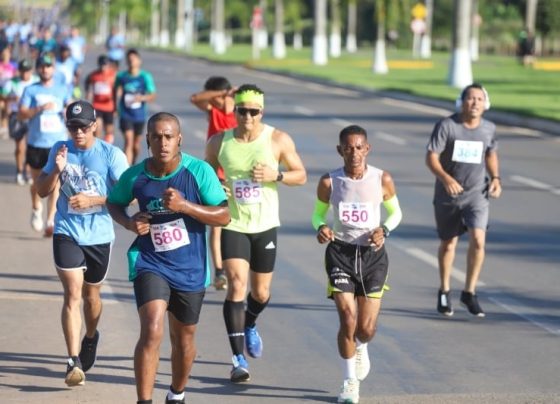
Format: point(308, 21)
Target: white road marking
point(516, 130)
point(30, 296)
point(304, 111)
point(391, 138)
point(512, 305)
point(431, 260)
point(340, 122)
point(542, 186)
point(332, 90)
point(527, 314)
point(416, 107)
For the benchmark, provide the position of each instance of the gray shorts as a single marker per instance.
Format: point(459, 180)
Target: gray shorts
point(454, 217)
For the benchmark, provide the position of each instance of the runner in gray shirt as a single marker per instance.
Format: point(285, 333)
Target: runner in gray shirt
point(462, 154)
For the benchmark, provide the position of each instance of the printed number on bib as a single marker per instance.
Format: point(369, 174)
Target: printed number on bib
point(101, 88)
point(355, 214)
point(465, 151)
point(247, 191)
point(50, 123)
point(130, 103)
point(169, 236)
point(85, 211)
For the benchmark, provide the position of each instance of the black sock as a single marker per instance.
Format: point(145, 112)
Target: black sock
point(234, 316)
point(144, 402)
point(175, 391)
point(254, 308)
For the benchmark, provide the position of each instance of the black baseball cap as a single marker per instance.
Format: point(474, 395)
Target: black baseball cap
point(80, 113)
point(24, 65)
point(44, 60)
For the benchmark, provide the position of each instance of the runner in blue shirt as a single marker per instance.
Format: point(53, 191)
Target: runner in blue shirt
point(133, 89)
point(43, 104)
point(86, 168)
point(178, 195)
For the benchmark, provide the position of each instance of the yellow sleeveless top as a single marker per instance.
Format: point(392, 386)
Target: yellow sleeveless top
point(253, 206)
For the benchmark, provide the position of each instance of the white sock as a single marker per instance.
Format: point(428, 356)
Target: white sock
point(173, 396)
point(349, 367)
point(362, 346)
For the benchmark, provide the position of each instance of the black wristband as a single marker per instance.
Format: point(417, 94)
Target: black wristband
point(496, 177)
point(386, 231)
point(280, 176)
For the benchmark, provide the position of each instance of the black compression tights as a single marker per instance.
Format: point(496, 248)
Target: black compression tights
point(234, 316)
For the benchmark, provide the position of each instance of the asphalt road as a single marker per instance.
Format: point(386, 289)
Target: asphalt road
point(511, 356)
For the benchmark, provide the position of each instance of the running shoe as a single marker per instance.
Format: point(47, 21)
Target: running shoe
point(350, 391)
point(37, 219)
point(88, 352)
point(363, 364)
point(240, 371)
point(470, 301)
point(220, 280)
point(444, 303)
point(49, 230)
point(175, 401)
point(253, 342)
point(20, 179)
point(74, 374)
point(109, 138)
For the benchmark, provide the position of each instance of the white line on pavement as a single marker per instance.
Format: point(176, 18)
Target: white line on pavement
point(304, 111)
point(415, 106)
point(391, 138)
point(542, 186)
point(512, 305)
point(332, 90)
point(340, 122)
point(527, 314)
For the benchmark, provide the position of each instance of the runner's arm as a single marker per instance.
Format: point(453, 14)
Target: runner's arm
point(289, 158)
point(319, 218)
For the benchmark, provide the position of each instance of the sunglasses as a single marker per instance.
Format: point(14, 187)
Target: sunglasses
point(251, 111)
point(76, 128)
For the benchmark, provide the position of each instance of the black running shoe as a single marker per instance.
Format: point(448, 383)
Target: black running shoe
point(74, 374)
point(470, 301)
point(167, 401)
point(88, 352)
point(444, 303)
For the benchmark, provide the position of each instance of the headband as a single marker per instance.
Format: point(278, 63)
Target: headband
point(249, 96)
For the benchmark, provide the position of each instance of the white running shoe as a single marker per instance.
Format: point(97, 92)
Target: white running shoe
point(350, 392)
point(20, 179)
point(37, 220)
point(363, 364)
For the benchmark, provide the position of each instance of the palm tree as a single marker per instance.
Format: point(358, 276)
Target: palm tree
point(380, 59)
point(320, 37)
point(164, 33)
point(460, 68)
point(180, 28)
point(279, 41)
point(335, 41)
point(154, 26)
point(475, 22)
point(351, 45)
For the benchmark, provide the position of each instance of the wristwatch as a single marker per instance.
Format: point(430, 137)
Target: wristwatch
point(386, 231)
point(280, 176)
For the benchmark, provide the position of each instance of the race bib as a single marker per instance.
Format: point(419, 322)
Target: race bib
point(356, 214)
point(87, 211)
point(247, 191)
point(50, 123)
point(169, 236)
point(101, 88)
point(465, 151)
point(130, 103)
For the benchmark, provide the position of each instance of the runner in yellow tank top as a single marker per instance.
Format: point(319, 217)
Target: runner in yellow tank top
point(251, 156)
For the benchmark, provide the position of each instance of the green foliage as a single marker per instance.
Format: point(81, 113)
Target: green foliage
point(548, 17)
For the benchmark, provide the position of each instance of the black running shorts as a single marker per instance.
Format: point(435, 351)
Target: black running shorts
point(258, 249)
point(356, 269)
point(92, 259)
point(185, 306)
point(37, 157)
point(106, 117)
point(136, 127)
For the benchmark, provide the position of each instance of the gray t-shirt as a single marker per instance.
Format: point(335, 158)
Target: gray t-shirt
point(462, 153)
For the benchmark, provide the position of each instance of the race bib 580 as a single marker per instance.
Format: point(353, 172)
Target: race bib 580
point(169, 236)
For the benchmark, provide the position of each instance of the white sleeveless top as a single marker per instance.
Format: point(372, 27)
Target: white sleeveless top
point(356, 205)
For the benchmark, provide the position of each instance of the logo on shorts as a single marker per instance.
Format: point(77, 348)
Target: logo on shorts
point(77, 109)
point(270, 246)
point(340, 280)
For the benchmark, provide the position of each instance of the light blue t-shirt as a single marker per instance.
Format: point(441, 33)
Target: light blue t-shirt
point(47, 127)
point(92, 172)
